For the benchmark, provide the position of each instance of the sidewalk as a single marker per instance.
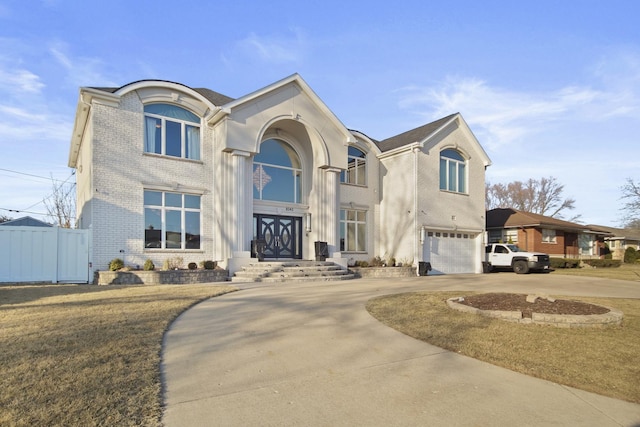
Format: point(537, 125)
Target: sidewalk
point(309, 354)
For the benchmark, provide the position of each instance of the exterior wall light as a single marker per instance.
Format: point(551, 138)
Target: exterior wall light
point(307, 222)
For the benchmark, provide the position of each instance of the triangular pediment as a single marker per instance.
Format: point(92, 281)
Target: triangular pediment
point(247, 119)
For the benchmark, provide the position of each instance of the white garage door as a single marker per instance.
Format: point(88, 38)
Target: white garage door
point(451, 253)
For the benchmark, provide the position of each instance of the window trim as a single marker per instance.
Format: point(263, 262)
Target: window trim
point(357, 159)
point(183, 209)
point(548, 239)
point(184, 124)
point(344, 230)
point(450, 162)
point(298, 185)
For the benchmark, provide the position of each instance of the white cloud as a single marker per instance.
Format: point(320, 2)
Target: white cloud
point(31, 126)
point(505, 116)
point(502, 115)
point(20, 80)
point(81, 71)
point(276, 49)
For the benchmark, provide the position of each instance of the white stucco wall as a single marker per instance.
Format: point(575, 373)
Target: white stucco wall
point(365, 198)
point(396, 226)
point(438, 208)
point(448, 211)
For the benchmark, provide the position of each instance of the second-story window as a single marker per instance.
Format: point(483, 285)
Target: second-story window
point(453, 171)
point(356, 172)
point(171, 131)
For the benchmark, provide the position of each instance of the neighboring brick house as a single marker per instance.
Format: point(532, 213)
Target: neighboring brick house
point(619, 239)
point(534, 232)
point(166, 170)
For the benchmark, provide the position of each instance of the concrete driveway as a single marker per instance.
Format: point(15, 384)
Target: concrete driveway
point(309, 354)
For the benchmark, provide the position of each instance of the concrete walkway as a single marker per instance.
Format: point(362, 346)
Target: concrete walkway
point(309, 354)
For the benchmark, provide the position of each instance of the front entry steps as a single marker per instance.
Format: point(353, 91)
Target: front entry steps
point(290, 271)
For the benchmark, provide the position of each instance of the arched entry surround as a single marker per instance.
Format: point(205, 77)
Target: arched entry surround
point(318, 206)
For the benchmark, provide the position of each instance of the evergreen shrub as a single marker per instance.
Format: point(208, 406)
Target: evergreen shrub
point(631, 255)
point(116, 264)
point(603, 263)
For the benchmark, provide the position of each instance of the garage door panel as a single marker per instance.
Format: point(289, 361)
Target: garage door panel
point(450, 253)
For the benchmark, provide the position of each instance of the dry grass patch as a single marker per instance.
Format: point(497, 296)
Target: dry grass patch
point(87, 355)
point(600, 360)
point(624, 272)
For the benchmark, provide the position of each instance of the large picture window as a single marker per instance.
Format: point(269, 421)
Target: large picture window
point(171, 131)
point(277, 173)
point(172, 220)
point(453, 171)
point(353, 230)
point(356, 172)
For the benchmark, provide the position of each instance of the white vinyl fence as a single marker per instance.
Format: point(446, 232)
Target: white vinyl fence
point(44, 254)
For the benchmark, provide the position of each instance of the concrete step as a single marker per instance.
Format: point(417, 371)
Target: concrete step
point(297, 270)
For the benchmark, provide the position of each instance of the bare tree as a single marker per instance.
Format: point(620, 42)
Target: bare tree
point(61, 206)
point(543, 196)
point(631, 208)
point(4, 218)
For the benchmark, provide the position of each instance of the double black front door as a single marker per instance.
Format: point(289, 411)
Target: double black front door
point(282, 234)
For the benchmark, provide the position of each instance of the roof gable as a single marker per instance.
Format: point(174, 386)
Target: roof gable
point(414, 135)
point(302, 86)
point(512, 218)
point(26, 221)
point(423, 135)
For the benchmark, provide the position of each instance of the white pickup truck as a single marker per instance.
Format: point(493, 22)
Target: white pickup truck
point(503, 255)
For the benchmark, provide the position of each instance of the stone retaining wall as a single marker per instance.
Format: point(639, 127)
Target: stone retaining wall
point(373, 272)
point(162, 277)
point(613, 317)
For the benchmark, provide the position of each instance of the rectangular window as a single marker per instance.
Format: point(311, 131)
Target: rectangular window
point(495, 236)
point(171, 132)
point(453, 182)
point(548, 236)
point(443, 174)
point(461, 178)
point(353, 230)
point(356, 172)
point(172, 220)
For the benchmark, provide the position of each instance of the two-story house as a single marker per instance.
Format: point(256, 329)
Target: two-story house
point(165, 170)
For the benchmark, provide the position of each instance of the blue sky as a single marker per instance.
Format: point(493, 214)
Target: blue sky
point(550, 88)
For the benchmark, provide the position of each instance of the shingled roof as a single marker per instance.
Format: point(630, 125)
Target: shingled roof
point(214, 97)
point(510, 218)
point(26, 221)
point(415, 135)
point(620, 233)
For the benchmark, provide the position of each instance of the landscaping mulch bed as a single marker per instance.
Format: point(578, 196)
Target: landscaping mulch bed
point(518, 302)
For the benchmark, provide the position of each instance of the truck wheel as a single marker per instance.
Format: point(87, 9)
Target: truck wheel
point(521, 267)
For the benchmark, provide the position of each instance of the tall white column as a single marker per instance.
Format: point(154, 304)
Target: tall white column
point(241, 194)
point(332, 209)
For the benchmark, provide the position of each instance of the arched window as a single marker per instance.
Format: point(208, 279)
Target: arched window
point(356, 172)
point(277, 173)
point(453, 171)
point(172, 131)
